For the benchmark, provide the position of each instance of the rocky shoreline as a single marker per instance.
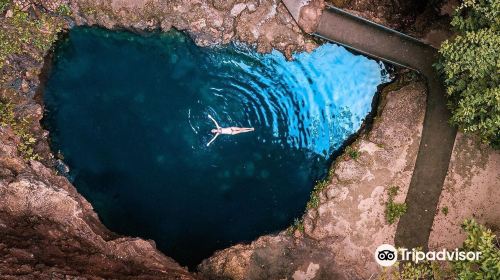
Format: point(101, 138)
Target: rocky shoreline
point(48, 230)
point(349, 222)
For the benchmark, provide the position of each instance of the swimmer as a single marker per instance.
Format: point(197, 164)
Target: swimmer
point(227, 130)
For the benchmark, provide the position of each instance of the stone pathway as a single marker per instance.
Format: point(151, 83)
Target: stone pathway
point(437, 136)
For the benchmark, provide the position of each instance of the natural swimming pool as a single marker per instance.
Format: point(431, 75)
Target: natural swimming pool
point(129, 113)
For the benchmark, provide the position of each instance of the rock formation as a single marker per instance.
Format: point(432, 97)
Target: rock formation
point(49, 231)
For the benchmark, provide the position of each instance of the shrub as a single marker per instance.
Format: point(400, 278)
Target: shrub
point(6, 114)
point(22, 33)
point(63, 10)
point(298, 224)
point(470, 66)
point(352, 153)
point(393, 210)
point(479, 239)
point(318, 188)
point(20, 126)
point(3, 5)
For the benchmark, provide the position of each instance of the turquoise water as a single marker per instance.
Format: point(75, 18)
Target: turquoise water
point(129, 115)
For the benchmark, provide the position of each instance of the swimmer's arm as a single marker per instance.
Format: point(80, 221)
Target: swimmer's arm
point(213, 139)
point(215, 122)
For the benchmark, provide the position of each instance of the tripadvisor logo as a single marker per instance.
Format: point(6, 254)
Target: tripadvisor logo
point(387, 255)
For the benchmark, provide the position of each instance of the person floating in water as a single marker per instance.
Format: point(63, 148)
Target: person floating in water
point(227, 130)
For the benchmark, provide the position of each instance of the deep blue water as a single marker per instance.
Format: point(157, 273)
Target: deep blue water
point(129, 115)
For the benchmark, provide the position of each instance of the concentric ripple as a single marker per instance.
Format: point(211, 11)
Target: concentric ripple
point(313, 102)
point(129, 115)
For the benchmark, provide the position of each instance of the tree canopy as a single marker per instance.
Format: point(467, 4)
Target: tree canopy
point(470, 63)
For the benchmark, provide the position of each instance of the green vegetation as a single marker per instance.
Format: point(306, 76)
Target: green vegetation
point(30, 36)
point(422, 270)
point(297, 225)
point(3, 5)
point(23, 34)
point(314, 199)
point(470, 64)
point(63, 10)
point(445, 210)
point(323, 184)
point(6, 114)
point(393, 210)
point(352, 153)
point(20, 126)
point(479, 239)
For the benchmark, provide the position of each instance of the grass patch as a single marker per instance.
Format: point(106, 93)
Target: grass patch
point(298, 224)
point(64, 10)
point(479, 239)
point(354, 154)
point(4, 4)
point(445, 210)
point(318, 188)
point(23, 34)
point(20, 126)
point(393, 210)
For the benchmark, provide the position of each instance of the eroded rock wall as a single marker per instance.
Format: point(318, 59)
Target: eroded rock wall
point(264, 24)
point(48, 231)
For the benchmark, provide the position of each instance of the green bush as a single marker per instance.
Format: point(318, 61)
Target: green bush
point(470, 65)
point(3, 5)
point(352, 153)
point(479, 239)
point(318, 188)
point(393, 210)
point(20, 126)
point(23, 33)
point(63, 10)
point(298, 224)
point(445, 210)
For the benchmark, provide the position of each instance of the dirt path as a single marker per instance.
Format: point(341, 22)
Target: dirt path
point(437, 136)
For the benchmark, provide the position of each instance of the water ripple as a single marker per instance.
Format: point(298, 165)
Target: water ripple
point(312, 102)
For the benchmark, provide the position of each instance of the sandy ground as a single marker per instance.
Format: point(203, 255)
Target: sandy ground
point(471, 190)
